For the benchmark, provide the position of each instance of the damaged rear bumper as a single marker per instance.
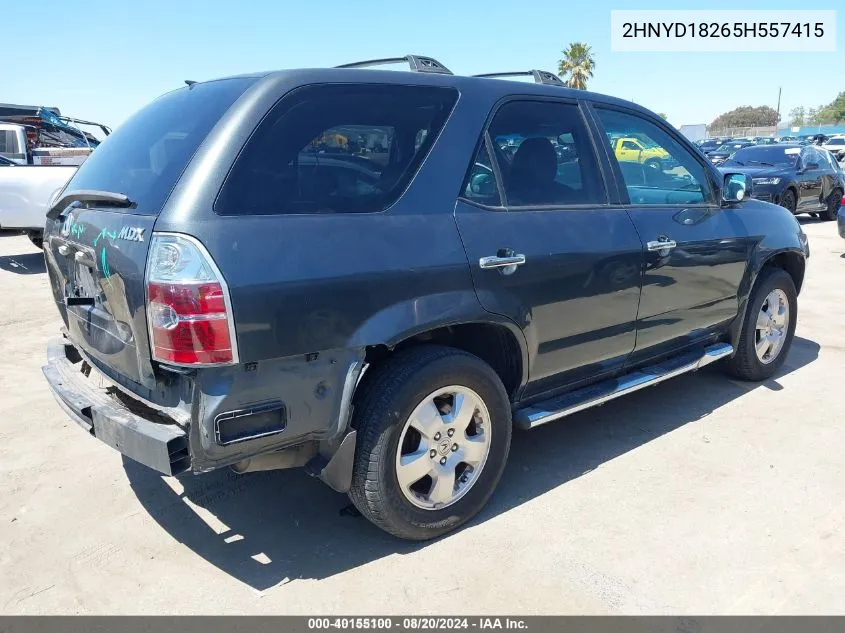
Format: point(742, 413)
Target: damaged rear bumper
point(153, 438)
point(158, 445)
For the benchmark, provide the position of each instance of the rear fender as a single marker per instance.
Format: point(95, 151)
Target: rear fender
point(404, 320)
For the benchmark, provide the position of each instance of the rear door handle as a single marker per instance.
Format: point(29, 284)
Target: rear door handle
point(661, 245)
point(496, 261)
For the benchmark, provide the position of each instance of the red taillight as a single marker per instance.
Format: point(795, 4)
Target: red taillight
point(187, 304)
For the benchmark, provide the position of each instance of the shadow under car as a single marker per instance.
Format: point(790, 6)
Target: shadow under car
point(266, 528)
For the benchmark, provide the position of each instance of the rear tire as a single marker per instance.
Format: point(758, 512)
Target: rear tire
point(832, 209)
point(761, 350)
point(405, 481)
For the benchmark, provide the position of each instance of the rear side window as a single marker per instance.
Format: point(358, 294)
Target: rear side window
point(144, 157)
point(545, 155)
point(336, 149)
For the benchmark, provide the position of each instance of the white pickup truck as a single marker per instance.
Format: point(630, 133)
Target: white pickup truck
point(39, 152)
point(26, 191)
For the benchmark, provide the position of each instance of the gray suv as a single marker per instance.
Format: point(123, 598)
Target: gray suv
point(375, 275)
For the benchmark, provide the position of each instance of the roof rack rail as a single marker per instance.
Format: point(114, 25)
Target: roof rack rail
point(417, 64)
point(540, 76)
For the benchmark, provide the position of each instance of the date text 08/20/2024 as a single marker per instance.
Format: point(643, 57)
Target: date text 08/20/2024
point(416, 623)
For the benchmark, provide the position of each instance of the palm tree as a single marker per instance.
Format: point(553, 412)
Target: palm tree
point(577, 65)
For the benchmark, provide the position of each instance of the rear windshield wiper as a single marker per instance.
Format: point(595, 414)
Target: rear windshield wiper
point(102, 198)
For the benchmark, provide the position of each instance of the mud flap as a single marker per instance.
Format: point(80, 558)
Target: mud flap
point(336, 472)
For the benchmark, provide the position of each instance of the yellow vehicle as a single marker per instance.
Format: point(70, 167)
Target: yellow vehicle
point(634, 150)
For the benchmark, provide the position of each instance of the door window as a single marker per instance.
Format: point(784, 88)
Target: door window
point(662, 171)
point(336, 149)
point(545, 156)
point(812, 155)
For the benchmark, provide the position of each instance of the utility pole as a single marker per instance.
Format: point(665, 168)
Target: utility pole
point(779, 91)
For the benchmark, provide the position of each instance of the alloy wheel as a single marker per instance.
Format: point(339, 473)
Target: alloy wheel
point(443, 447)
point(772, 326)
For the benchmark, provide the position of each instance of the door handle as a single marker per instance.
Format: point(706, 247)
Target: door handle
point(497, 261)
point(661, 245)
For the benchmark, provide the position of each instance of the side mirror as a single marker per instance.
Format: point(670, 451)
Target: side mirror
point(483, 185)
point(737, 187)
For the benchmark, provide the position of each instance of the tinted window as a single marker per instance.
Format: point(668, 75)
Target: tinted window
point(9, 145)
point(811, 155)
point(545, 155)
point(765, 155)
point(145, 156)
point(480, 185)
point(336, 149)
point(831, 160)
point(662, 171)
point(836, 141)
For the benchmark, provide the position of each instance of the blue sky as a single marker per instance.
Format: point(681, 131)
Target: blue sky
point(104, 59)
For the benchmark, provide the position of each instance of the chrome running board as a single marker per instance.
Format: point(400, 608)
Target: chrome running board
point(599, 393)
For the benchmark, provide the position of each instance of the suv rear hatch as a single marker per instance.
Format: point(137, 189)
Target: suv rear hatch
point(99, 228)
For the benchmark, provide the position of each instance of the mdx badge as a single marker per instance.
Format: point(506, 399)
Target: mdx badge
point(130, 234)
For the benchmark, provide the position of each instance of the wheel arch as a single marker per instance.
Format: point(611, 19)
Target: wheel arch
point(791, 260)
point(498, 343)
point(793, 187)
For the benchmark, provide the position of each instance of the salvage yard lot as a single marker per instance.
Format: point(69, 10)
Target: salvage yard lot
point(701, 495)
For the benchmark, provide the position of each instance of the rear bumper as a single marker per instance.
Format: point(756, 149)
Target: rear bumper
point(158, 445)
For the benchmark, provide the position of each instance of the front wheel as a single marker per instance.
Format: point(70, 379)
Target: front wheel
point(769, 327)
point(833, 202)
point(434, 431)
point(789, 201)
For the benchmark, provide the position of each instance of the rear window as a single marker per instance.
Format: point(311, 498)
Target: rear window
point(145, 156)
point(336, 149)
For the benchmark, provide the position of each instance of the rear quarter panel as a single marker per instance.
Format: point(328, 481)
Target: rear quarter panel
point(311, 292)
point(305, 283)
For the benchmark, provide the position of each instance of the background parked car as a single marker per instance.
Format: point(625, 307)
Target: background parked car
point(800, 178)
point(836, 145)
point(708, 145)
point(842, 217)
point(718, 156)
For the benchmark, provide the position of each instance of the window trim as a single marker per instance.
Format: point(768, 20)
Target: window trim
point(292, 93)
point(485, 135)
point(621, 187)
point(496, 176)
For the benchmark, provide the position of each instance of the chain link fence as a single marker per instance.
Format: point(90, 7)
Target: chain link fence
point(735, 132)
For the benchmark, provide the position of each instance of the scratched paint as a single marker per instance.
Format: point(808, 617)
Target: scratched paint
point(104, 263)
point(111, 235)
